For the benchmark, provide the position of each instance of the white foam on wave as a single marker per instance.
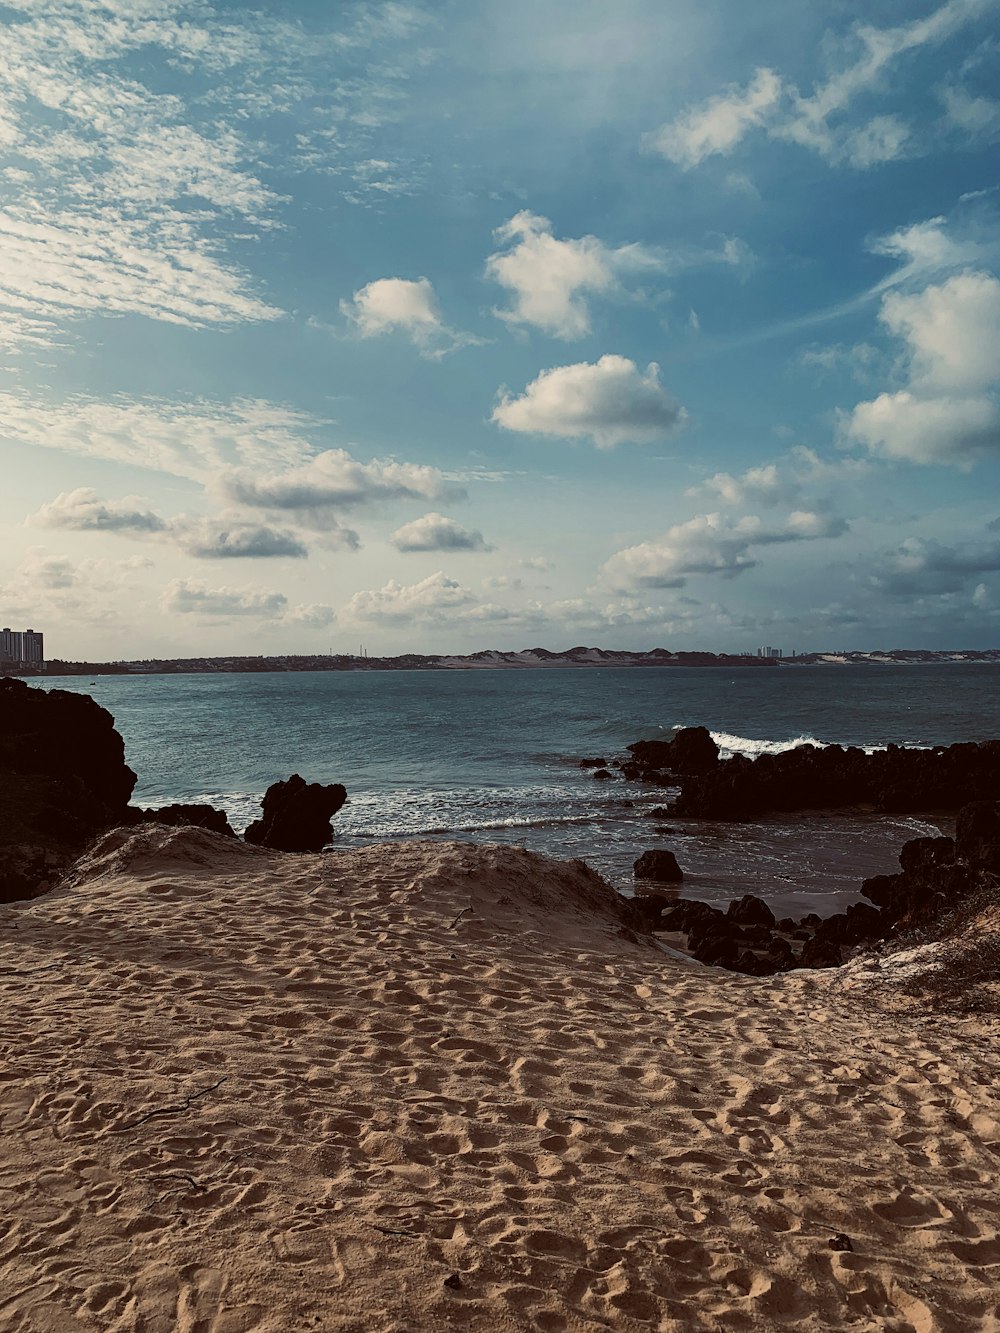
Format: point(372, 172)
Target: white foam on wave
point(746, 745)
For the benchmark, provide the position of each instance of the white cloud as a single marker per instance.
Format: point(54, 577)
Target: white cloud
point(948, 413)
point(819, 121)
point(83, 510)
point(185, 597)
point(949, 430)
point(719, 124)
point(952, 331)
point(611, 402)
point(434, 532)
point(190, 440)
point(711, 544)
point(978, 117)
point(391, 305)
point(214, 538)
point(549, 279)
point(757, 486)
point(433, 598)
point(221, 539)
point(334, 480)
point(144, 136)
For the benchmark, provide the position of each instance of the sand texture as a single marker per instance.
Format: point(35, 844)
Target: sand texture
point(428, 1086)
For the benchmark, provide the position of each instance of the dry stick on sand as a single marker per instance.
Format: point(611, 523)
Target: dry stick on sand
point(170, 1110)
point(459, 917)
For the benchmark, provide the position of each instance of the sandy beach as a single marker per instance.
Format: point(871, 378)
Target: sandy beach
point(425, 1086)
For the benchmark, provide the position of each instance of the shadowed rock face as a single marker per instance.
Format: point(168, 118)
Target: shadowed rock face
point(63, 778)
point(296, 815)
point(195, 815)
point(895, 780)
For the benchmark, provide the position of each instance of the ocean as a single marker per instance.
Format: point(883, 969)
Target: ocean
point(493, 756)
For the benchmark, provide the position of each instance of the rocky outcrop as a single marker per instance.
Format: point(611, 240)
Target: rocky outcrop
point(894, 780)
point(193, 815)
point(937, 878)
point(660, 865)
point(690, 750)
point(296, 815)
point(63, 779)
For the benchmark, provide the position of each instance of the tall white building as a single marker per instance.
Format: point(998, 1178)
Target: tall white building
point(22, 648)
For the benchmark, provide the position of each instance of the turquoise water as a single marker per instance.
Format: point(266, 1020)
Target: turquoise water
point(494, 755)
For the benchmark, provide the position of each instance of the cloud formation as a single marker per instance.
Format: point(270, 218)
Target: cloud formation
point(949, 411)
point(719, 124)
point(921, 567)
point(215, 538)
point(334, 480)
point(192, 440)
point(610, 401)
point(821, 120)
point(711, 544)
point(400, 305)
point(187, 597)
point(435, 532)
point(549, 279)
point(83, 510)
point(432, 599)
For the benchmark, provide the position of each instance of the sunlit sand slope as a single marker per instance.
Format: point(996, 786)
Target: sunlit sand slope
point(431, 1085)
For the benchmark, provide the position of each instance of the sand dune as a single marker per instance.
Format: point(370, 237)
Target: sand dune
point(428, 1086)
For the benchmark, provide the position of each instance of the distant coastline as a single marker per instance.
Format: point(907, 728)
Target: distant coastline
point(497, 660)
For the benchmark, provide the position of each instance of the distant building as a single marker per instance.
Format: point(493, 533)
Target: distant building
point(21, 650)
point(769, 652)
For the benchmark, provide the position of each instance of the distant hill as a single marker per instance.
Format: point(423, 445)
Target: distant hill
point(502, 659)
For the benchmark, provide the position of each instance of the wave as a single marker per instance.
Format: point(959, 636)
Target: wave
point(729, 744)
point(745, 745)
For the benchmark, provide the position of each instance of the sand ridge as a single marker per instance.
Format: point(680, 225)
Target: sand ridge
point(433, 1085)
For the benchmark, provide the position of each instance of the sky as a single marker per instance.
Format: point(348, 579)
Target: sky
point(475, 324)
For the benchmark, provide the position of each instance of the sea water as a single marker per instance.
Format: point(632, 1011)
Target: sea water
point(493, 756)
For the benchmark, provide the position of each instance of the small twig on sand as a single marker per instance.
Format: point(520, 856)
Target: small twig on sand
point(394, 1231)
point(459, 917)
point(170, 1110)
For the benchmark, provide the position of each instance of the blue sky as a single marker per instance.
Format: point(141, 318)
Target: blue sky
point(456, 325)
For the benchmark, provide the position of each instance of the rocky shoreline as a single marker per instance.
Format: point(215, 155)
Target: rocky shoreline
point(64, 781)
point(937, 875)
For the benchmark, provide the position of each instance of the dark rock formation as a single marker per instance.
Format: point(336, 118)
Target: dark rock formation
point(977, 835)
point(691, 750)
point(750, 911)
point(63, 779)
point(894, 780)
point(296, 815)
point(593, 763)
point(195, 815)
point(602, 774)
point(660, 865)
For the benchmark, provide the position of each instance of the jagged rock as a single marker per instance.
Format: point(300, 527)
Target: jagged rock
point(651, 907)
point(690, 750)
point(593, 763)
point(658, 864)
point(685, 912)
point(603, 775)
point(63, 779)
point(197, 815)
point(820, 953)
point(837, 777)
point(296, 815)
point(977, 835)
point(751, 911)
